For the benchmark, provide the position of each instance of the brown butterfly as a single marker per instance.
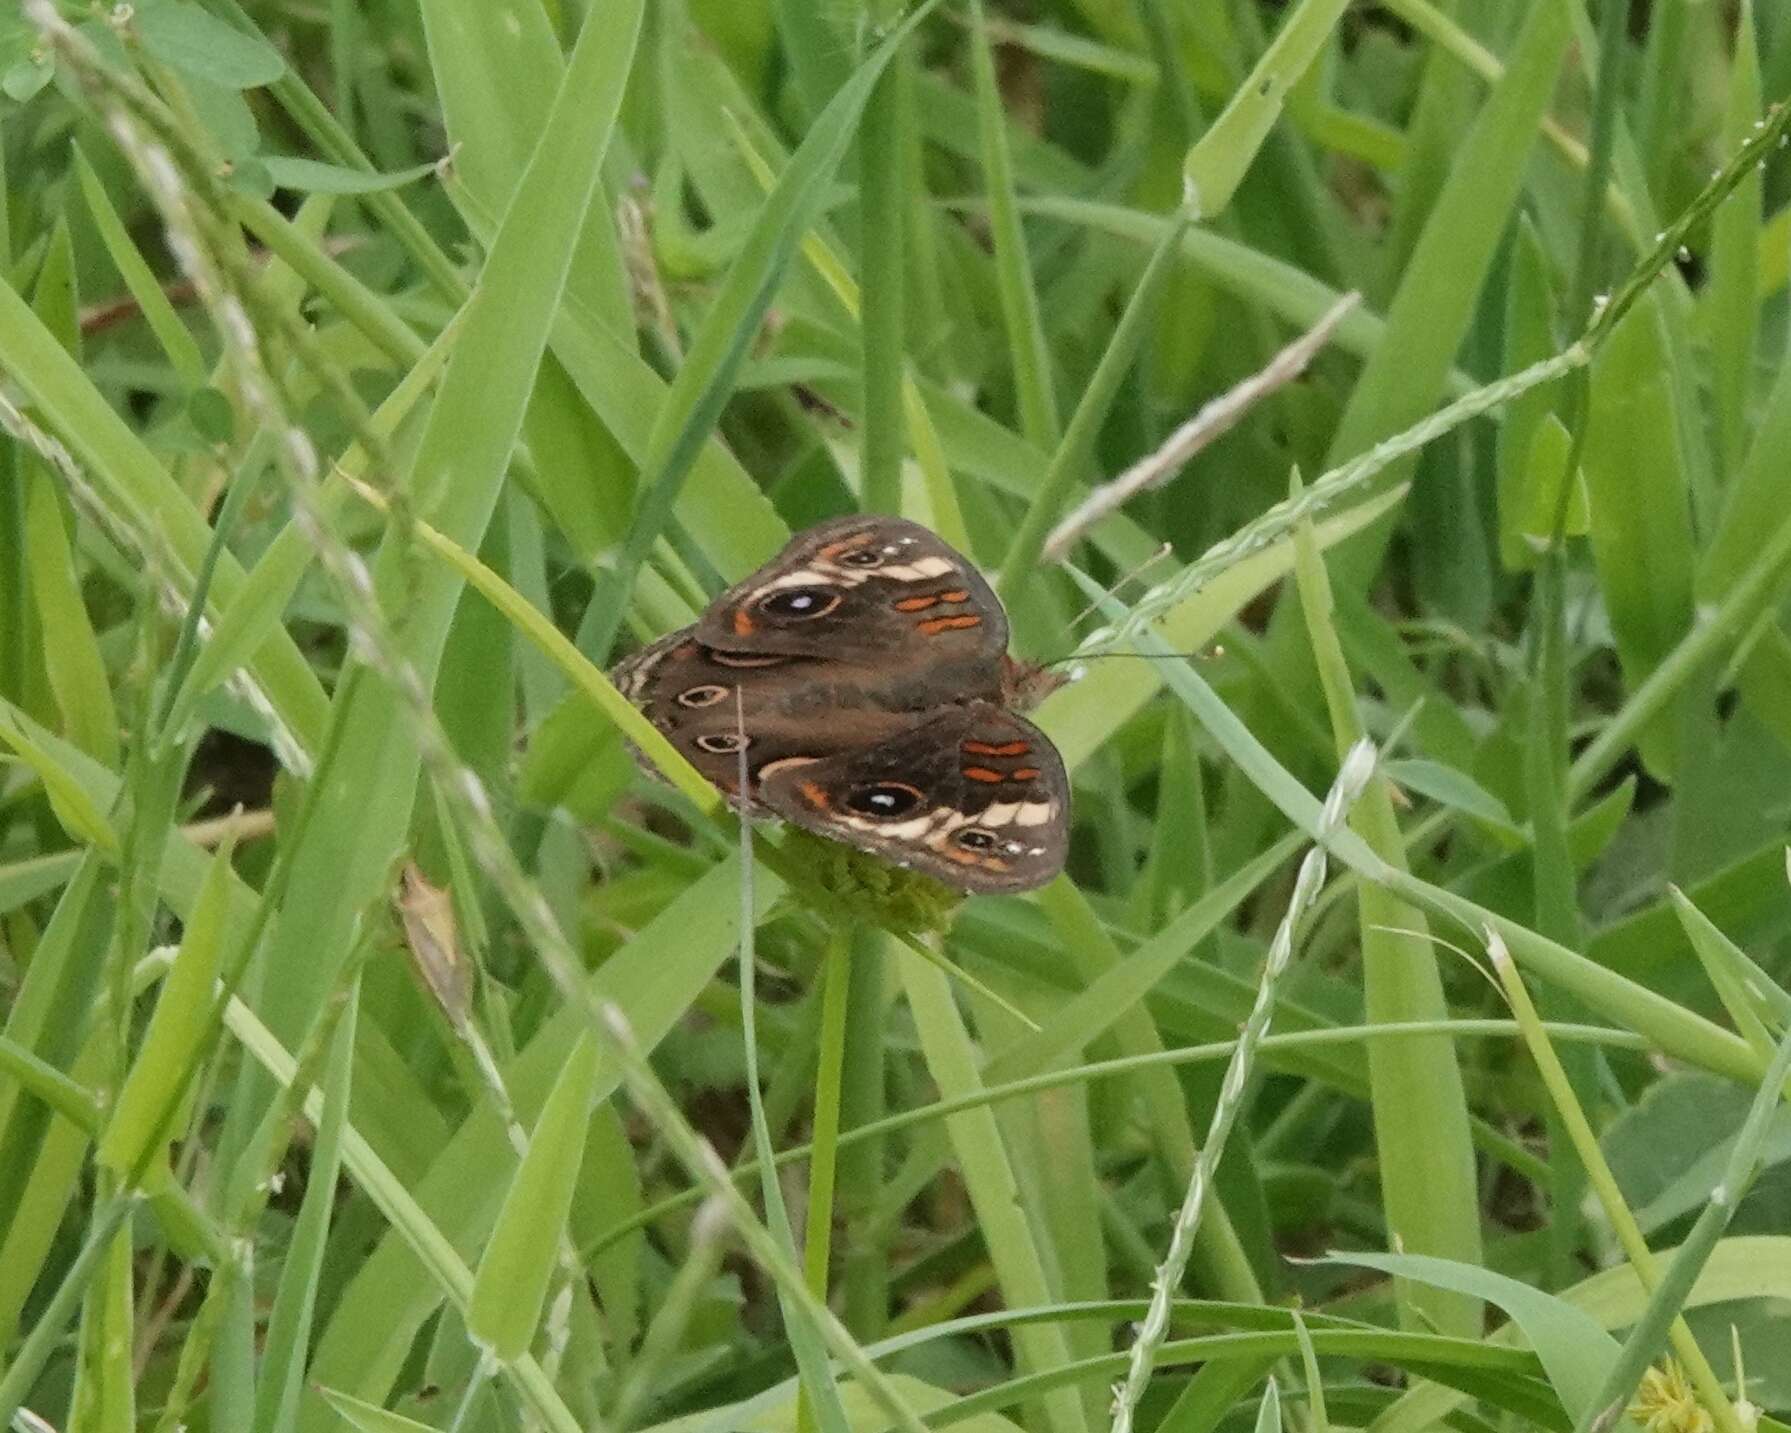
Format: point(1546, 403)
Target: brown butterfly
point(875, 699)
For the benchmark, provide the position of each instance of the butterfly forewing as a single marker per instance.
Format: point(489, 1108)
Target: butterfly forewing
point(868, 590)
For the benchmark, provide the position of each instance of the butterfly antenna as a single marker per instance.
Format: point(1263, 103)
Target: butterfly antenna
point(1209, 654)
point(1135, 574)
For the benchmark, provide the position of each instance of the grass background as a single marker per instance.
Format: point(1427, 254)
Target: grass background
point(382, 1050)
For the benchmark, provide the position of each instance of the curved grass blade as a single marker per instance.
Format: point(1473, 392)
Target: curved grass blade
point(706, 378)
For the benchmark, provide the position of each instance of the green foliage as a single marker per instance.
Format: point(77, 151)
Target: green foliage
point(372, 374)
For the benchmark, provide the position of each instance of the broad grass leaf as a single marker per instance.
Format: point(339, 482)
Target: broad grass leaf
point(79, 814)
point(510, 1285)
point(725, 511)
point(1220, 158)
point(1088, 1015)
point(1216, 1389)
point(253, 615)
point(654, 977)
point(1753, 507)
point(1668, 1149)
point(146, 1114)
point(1029, 353)
point(59, 980)
point(1529, 338)
point(1083, 716)
point(718, 349)
point(989, 1175)
point(1451, 787)
point(1440, 285)
point(1268, 1412)
point(369, 1417)
point(135, 487)
point(1639, 504)
point(610, 1189)
point(1576, 1352)
point(288, 1334)
point(359, 820)
point(71, 650)
point(778, 1414)
point(68, 646)
point(396, 1202)
point(1250, 274)
point(22, 881)
point(1742, 1266)
point(184, 35)
point(311, 176)
point(1753, 999)
point(1544, 476)
point(1731, 300)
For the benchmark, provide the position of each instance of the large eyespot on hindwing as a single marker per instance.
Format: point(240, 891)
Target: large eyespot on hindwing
point(799, 604)
point(884, 800)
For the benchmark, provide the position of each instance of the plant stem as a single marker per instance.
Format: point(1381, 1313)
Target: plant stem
point(824, 1163)
point(1572, 1116)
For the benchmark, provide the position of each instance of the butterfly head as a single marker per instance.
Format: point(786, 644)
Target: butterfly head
point(1025, 684)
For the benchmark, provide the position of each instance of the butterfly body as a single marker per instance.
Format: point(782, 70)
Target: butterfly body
point(866, 668)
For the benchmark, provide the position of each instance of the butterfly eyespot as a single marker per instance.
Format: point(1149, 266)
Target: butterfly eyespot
point(800, 602)
point(865, 557)
point(706, 695)
point(884, 800)
point(721, 743)
point(974, 838)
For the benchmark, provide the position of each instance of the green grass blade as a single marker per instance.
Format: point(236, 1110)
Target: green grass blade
point(173, 335)
point(71, 651)
point(1072, 453)
point(1733, 306)
point(134, 486)
point(369, 1417)
point(882, 231)
point(461, 460)
point(706, 377)
point(1028, 351)
point(29, 1360)
point(510, 1284)
point(820, 1402)
point(289, 1322)
point(1650, 1331)
point(1641, 516)
point(1597, 1172)
point(1574, 1350)
point(146, 1112)
point(1428, 1184)
point(1217, 163)
point(655, 978)
point(990, 1176)
point(1437, 291)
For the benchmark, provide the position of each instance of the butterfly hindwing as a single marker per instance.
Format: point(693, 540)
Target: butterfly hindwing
point(972, 795)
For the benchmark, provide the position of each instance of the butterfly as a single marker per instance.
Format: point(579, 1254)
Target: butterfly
point(865, 669)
